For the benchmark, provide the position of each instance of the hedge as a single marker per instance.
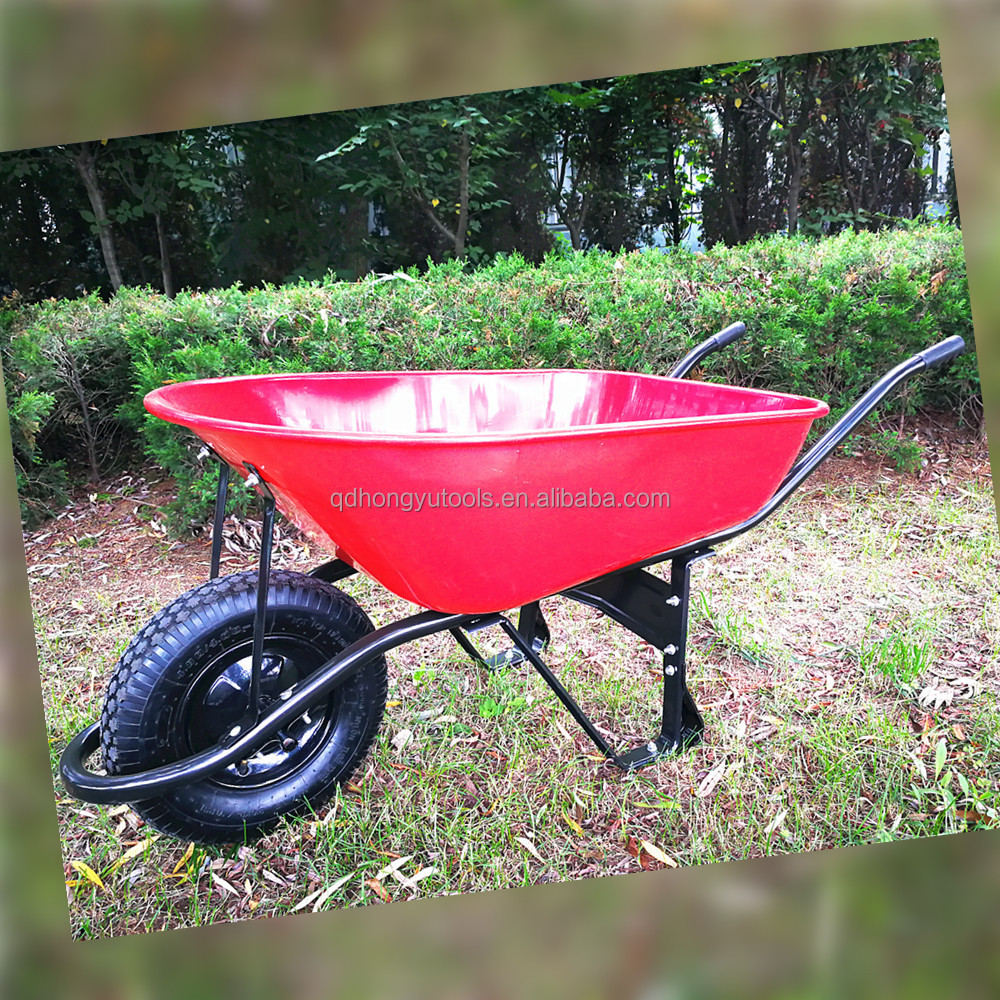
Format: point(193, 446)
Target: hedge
point(824, 317)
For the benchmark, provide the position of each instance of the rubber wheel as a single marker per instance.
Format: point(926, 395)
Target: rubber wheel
point(183, 682)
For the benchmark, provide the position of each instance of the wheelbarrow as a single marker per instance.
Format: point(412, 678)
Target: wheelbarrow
point(469, 493)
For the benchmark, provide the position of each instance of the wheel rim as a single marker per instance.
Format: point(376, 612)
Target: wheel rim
point(217, 701)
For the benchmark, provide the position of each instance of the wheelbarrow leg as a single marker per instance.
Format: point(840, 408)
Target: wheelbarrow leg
point(657, 612)
point(564, 696)
point(681, 723)
point(260, 614)
point(219, 517)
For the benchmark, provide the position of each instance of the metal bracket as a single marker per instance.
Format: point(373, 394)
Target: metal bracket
point(333, 571)
point(654, 610)
point(530, 623)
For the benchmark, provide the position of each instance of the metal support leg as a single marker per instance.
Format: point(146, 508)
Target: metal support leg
point(657, 612)
point(681, 723)
point(260, 613)
point(219, 519)
point(564, 696)
point(463, 641)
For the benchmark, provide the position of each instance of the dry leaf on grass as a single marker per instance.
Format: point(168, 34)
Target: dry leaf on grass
point(936, 697)
point(303, 903)
point(132, 852)
point(657, 853)
point(325, 894)
point(223, 884)
point(401, 739)
point(392, 868)
point(529, 847)
point(183, 861)
point(378, 889)
point(88, 873)
point(710, 780)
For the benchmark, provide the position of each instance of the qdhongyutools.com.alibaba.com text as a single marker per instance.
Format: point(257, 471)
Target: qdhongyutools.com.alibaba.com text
point(554, 498)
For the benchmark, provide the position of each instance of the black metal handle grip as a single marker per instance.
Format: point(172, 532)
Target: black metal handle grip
point(732, 332)
point(940, 353)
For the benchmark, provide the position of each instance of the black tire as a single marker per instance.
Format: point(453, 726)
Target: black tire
point(182, 684)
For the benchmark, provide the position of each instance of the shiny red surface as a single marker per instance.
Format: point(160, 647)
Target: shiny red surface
point(718, 451)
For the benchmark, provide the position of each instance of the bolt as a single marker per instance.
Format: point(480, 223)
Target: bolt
point(235, 731)
point(651, 746)
point(242, 768)
point(670, 650)
point(253, 479)
point(203, 453)
point(288, 744)
point(669, 669)
point(673, 601)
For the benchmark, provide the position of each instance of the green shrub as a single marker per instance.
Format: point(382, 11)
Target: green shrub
point(67, 374)
point(904, 453)
point(825, 317)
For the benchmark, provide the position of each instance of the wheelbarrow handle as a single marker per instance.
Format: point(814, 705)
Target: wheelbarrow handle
point(732, 332)
point(940, 353)
point(936, 355)
point(932, 356)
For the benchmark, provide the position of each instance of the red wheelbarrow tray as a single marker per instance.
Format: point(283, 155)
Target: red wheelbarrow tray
point(518, 484)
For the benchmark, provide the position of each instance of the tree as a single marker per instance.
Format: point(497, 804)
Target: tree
point(83, 156)
point(835, 139)
point(438, 155)
point(46, 248)
point(670, 128)
point(154, 170)
point(807, 143)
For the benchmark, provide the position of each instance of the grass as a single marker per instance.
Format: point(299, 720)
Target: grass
point(843, 655)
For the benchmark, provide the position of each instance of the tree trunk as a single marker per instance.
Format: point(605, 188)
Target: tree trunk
point(794, 183)
point(85, 160)
point(796, 132)
point(355, 234)
point(421, 199)
point(673, 211)
point(461, 229)
point(725, 179)
point(853, 193)
point(168, 276)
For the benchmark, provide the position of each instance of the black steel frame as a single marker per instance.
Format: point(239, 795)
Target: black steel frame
point(654, 609)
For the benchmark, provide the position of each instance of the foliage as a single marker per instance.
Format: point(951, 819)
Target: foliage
point(67, 373)
point(825, 317)
point(809, 144)
point(440, 156)
point(820, 142)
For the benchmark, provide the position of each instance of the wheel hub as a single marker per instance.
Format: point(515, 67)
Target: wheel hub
point(217, 710)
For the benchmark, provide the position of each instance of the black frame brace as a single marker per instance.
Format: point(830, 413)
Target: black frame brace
point(654, 610)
